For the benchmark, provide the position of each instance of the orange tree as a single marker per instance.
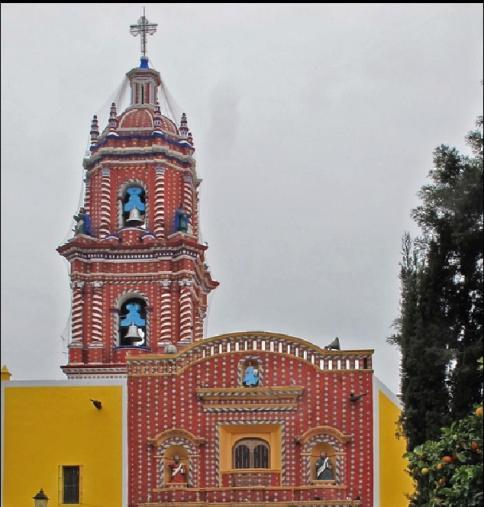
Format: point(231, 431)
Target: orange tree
point(449, 471)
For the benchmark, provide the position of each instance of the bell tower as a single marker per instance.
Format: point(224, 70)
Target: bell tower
point(138, 275)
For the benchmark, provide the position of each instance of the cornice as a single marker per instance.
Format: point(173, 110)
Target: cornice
point(98, 371)
point(102, 152)
point(249, 393)
point(105, 250)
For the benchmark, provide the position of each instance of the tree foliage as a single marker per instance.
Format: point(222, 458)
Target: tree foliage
point(449, 471)
point(439, 331)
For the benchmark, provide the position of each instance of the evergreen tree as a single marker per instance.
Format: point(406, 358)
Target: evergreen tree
point(423, 368)
point(439, 330)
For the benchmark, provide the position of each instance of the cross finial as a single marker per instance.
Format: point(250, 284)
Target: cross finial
point(143, 28)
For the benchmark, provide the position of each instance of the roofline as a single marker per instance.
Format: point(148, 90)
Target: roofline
point(388, 392)
point(295, 339)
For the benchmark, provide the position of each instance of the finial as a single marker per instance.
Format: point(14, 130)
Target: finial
point(190, 138)
point(5, 374)
point(184, 125)
point(334, 345)
point(143, 28)
point(113, 118)
point(94, 130)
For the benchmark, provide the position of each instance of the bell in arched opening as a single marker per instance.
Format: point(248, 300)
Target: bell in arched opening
point(134, 206)
point(132, 323)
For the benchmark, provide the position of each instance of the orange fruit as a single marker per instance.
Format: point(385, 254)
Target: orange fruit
point(479, 411)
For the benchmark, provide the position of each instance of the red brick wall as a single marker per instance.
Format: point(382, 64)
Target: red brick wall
point(160, 400)
point(156, 256)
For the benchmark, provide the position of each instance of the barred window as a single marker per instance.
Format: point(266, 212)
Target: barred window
point(251, 453)
point(261, 456)
point(70, 483)
point(241, 456)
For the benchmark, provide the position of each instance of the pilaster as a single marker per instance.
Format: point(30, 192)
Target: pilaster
point(160, 227)
point(105, 207)
point(166, 314)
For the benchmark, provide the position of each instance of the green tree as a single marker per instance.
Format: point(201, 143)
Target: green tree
point(439, 330)
point(425, 396)
point(449, 471)
point(451, 218)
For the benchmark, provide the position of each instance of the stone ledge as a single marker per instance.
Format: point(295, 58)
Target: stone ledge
point(236, 393)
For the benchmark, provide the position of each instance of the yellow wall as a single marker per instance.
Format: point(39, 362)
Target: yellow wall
point(394, 481)
point(46, 427)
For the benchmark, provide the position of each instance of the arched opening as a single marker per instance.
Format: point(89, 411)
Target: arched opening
point(133, 210)
point(132, 323)
point(250, 453)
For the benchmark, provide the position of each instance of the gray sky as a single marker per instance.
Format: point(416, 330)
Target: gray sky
point(314, 127)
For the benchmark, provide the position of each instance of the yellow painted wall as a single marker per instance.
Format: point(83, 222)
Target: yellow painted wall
point(47, 427)
point(394, 481)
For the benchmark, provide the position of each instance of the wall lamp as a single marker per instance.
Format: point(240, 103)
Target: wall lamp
point(40, 499)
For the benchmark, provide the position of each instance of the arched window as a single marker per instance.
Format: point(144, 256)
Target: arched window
point(241, 456)
point(132, 323)
point(133, 206)
point(251, 453)
point(261, 456)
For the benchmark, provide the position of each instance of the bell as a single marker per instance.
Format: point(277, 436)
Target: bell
point(133, 334)
point(334, 345)
point(135, 216)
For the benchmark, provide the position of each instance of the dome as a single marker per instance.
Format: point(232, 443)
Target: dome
point(135, 119)
point(142, 118)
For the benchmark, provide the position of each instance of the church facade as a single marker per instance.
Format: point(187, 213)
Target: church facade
point(250, 418)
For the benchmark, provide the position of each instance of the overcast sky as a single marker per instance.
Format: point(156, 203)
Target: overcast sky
point(314, 127)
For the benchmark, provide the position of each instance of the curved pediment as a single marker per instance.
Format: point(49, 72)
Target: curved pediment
point(267, 336)
point(324, 430)
point(176, 433)
point(259, 342)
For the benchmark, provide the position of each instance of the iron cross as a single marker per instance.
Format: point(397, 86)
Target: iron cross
point(143, 28)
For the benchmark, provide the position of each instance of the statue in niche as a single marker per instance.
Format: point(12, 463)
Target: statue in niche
point(181, 220)
point(251, 376)
point(83, 225)
point(178, 472)
point(134, 206)
point(324, 469)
